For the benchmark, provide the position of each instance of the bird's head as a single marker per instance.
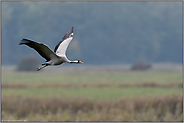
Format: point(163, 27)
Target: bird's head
point(78, 61)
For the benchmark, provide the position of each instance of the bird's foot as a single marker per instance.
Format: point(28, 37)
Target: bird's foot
point(38, 68)
point(41, 67)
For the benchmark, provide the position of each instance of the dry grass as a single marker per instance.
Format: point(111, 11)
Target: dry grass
point(89, 85)
point(157, 108)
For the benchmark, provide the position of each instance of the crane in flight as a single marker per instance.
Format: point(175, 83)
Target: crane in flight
point(56, 57)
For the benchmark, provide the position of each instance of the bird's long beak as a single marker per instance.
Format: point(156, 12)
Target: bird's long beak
point(80, 62)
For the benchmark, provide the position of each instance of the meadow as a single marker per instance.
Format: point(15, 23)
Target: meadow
point(92, 94)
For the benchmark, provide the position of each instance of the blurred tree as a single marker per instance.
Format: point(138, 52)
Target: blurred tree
point(28, 63)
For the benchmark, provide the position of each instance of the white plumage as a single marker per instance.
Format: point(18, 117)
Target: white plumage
point(63, 46)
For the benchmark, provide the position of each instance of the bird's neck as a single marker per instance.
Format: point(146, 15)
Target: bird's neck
point(74, 61)
point(68, 61)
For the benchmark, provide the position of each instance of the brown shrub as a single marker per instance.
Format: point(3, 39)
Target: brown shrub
point(141, 66)
point(18, 85)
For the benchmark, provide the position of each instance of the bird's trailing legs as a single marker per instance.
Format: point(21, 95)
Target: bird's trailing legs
point(42, 67)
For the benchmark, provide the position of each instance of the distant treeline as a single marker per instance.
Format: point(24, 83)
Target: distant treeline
point(104, 32)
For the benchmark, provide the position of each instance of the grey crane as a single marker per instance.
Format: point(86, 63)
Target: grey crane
point(55, 57)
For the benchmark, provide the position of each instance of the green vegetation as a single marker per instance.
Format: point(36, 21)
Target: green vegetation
point(92, 95)
point(65, 76)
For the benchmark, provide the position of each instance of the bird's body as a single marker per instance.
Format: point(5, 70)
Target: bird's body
point(55, 57)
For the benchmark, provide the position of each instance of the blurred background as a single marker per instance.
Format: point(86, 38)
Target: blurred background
point(131, 51)
point(104, 32)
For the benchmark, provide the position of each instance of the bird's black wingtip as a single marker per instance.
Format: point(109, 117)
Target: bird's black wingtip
point(24, 41)
point(72, 29)
point(21, 42)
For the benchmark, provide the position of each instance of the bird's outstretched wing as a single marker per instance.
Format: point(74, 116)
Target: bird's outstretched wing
point(61, 47)
point(42, 49)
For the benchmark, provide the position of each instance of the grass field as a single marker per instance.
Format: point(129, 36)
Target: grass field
point(92, 94)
